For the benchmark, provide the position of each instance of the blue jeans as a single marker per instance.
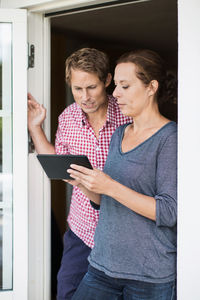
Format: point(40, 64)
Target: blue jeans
point(74, 265)
point(98, 286)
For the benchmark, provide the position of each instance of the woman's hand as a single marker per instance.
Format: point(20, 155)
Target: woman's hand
point(93, 180)
point(91, 195)
point(76, 183)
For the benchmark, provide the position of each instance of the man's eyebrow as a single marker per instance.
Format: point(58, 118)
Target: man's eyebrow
point(92, 84)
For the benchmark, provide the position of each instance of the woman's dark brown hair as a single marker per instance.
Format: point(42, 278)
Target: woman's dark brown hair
point(150, 66)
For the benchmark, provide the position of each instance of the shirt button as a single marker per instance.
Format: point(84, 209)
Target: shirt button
point(97, 148)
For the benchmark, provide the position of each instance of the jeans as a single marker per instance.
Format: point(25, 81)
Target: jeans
point(98, 286)
point(74, 265)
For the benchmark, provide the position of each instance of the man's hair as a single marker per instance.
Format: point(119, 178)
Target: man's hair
point(89, 60)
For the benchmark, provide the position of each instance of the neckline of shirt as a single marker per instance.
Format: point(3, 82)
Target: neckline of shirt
point(149, 138)
point(110, 114)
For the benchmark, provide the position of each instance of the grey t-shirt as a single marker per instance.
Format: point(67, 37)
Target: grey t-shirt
point(128, 245)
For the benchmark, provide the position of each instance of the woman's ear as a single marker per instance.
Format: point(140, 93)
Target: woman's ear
point(153, 87)
point(108, 80)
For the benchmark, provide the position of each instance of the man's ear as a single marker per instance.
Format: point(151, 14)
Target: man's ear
point(108, 80)
point(153, 87)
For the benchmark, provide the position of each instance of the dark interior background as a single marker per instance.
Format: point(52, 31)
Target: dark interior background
point(148, 24)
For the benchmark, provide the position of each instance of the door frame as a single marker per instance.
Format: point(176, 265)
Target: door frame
point(39, 185)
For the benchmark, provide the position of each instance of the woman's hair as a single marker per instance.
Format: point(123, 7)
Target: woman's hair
point(150, 66)
point(88, 60)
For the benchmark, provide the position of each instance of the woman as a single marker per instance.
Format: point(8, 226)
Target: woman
point(134, 256)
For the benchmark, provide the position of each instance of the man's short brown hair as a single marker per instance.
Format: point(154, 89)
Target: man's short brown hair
point(89, 60)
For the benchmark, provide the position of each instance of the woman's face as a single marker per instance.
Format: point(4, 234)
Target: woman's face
point(132, 95)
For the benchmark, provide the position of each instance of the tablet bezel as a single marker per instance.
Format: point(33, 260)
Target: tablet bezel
point(55, 166)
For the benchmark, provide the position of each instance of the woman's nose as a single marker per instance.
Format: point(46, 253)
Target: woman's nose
point(115, 93)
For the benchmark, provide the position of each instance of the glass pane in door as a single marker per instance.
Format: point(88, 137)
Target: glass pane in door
point(6, 185)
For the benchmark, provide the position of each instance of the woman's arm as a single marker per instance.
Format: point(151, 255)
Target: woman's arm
point(139, 203)
point(100, 183)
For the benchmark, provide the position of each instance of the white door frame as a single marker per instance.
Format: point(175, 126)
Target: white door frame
point(39, 184)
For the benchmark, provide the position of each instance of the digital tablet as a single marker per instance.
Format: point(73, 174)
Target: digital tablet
point(55, 166)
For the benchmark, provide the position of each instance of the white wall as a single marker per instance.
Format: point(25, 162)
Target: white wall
point(189, 150)
point(48, 5)
point(21, 3)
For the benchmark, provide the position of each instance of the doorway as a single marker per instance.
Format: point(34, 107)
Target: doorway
point(115, 30)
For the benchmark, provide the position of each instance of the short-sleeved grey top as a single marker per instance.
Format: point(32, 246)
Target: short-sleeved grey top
point(128, 245)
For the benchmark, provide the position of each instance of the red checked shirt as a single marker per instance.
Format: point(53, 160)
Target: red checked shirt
point(76, 136)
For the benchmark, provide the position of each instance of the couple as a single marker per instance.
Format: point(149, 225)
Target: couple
point(134, 250)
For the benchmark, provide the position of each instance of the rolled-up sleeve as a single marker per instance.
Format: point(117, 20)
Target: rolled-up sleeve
point(166, 183)
point(60, 146)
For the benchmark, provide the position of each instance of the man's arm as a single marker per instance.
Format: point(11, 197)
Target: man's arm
point(36, 117)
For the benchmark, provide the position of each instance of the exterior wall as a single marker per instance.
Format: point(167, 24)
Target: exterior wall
point(22, 3)
point(48, 5)
point(189, 150)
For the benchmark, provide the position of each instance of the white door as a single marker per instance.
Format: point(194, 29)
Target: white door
point(13, 155)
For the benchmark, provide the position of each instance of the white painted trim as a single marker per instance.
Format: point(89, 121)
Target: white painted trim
point(7, 176)
point(22, 3)
point(60, 5)
point(20, 202)
point(39, 184)
point(44, 5)
point(47, 184)
point(20, 155)
point(188, 150)
point(6, 295)
point(36, 232)
point(82, 9)
point(37, 255)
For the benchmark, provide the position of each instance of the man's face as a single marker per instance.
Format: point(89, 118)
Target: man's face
point(88, 91)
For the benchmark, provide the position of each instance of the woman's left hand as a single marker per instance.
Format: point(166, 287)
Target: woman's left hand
point(94, 180)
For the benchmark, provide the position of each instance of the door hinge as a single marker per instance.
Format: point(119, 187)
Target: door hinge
point(31, 56)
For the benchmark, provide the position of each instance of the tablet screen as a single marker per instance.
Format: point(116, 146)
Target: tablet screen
point(55, 166)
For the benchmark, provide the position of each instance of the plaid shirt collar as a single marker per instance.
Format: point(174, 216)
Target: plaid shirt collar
point(83, 121)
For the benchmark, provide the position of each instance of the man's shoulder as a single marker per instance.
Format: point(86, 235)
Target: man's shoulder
point(112, 100)
point(70, 111)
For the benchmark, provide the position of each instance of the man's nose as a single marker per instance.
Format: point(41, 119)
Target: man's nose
point(85, 94)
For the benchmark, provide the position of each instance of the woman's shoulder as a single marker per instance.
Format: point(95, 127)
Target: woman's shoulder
point(119, 131)
point(169, 129)
point(121, 128)
point(168, 136)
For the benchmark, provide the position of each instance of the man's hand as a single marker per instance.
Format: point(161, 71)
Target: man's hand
point(36, 113)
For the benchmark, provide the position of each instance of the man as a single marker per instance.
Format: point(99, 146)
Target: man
point(85, 127)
